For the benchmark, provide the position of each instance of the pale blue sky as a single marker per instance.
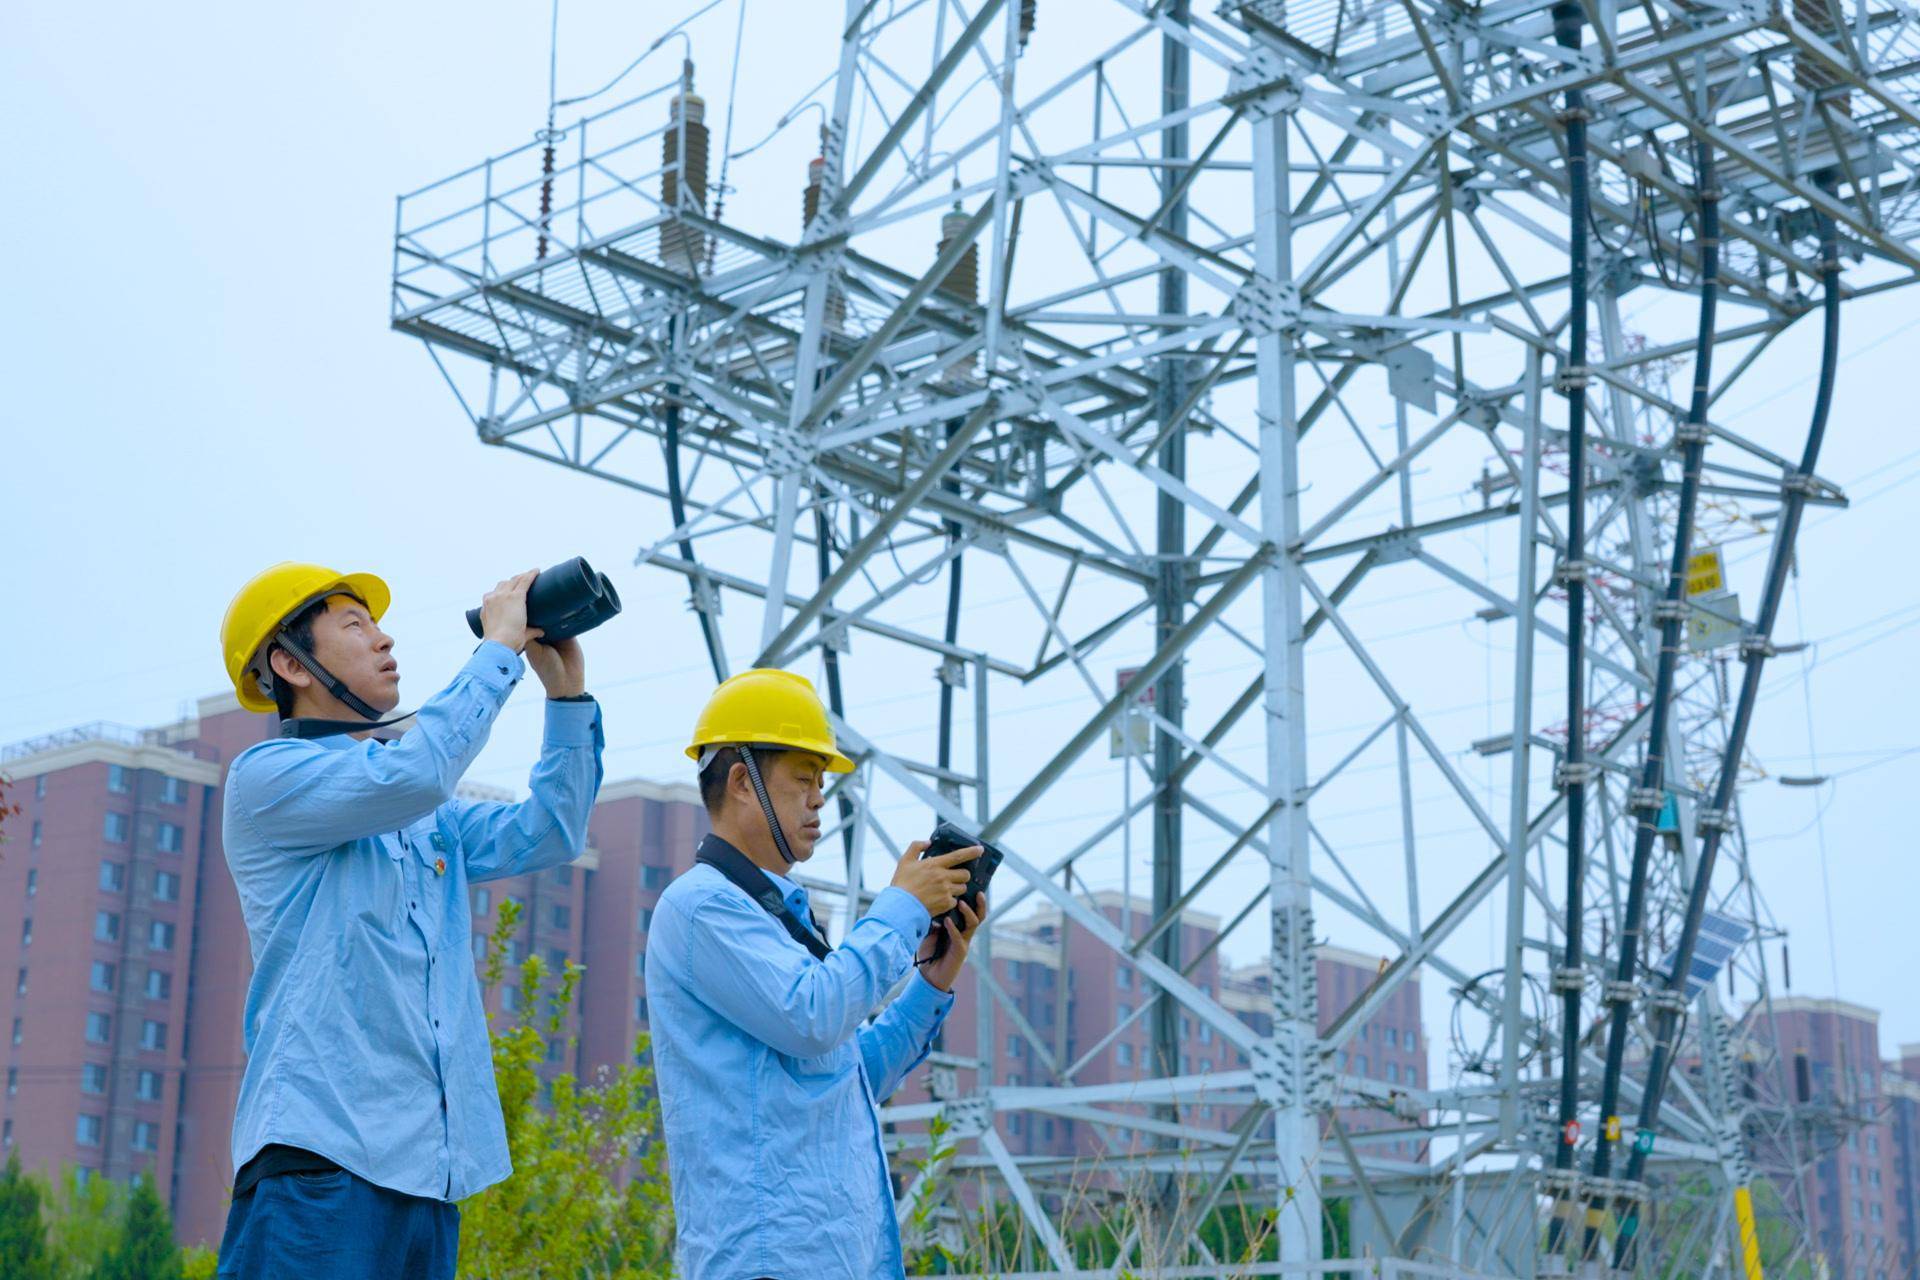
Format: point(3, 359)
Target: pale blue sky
point(199, 224)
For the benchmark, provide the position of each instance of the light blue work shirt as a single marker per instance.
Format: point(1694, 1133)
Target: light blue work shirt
point(366, 1040)
point(770, 1083)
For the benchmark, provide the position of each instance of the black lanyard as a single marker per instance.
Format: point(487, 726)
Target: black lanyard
point(733, 864)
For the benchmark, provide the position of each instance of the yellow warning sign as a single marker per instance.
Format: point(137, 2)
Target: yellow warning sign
point(1705, 572)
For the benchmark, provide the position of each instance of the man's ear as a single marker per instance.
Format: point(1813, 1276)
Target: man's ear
point(286, 669)
point(740, 783)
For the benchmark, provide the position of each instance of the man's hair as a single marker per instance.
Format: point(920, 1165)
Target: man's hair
point(713, 779)
point(300, 627)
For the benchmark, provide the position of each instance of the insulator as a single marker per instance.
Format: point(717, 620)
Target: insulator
point(835, 314)
point(1029, 10)
point(681, 247)
point(963, 281)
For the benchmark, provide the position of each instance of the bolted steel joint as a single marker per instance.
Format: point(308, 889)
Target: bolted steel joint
point(1692, 433)
point(1646, 800)
point(1567, 115)
point(1569, 981)
point(1574, 775)
point(1714, 820)
point(1568, 572)
point(1618, 992)
point(1669, 1001)
point(1805, 486)
point(1670, 611)
point(1756, 648)
point(1571, 378)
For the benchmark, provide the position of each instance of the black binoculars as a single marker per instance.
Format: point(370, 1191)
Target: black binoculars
point(564, 601)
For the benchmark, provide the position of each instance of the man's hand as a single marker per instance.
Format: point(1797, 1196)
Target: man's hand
point(503, 614)
point(945, 971)
point(938, 881)
point(561, 666)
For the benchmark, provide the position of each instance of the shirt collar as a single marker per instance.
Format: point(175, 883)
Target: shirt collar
point(789, 890)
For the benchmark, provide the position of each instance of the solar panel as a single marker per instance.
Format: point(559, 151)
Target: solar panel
point(1720, 937)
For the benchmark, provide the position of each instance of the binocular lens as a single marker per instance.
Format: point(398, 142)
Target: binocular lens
point(565, 601)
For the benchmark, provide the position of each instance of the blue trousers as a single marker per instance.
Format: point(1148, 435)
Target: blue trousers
point(335, 1226)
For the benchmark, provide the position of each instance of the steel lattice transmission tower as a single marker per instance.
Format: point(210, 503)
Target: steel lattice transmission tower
point(1219, 344)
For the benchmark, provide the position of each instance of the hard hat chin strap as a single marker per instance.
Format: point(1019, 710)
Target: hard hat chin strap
point(310, 727)
point(766, 803)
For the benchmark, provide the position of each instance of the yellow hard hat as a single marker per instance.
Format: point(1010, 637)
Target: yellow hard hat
point(269, 600)
point(767, 707)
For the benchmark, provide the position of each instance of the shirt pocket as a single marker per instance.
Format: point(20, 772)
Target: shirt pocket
point(821, 1068)
point(377, 884)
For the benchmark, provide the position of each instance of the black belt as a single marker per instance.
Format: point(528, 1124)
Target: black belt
point(734, 865)
point(276, 1158)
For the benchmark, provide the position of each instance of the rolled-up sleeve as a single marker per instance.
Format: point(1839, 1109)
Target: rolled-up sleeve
point(302, 797)
point(550, 826)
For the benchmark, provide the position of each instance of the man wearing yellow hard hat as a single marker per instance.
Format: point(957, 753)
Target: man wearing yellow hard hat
point(768, 1070)
point(369, 1106)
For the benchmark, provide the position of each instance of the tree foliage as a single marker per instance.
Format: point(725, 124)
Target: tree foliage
point(23, 1236)
point(589, 1195)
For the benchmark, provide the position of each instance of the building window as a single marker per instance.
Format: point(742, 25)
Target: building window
point(1013, 1045)
point(40, 787)
point(653, 877)
point(102, 978)
point(510, 999)
point(1393, 1037)
point(482, 901)
point(159, 984)
point(646, 919)
point(1874, 1211)
point(169, 838)
point(640, 1008)
point(118, 779)
point(146, 1135)
point(36, 833)
point(480, 946)
point(13, 1081)
point(640, 965)
point(1123, 976)
point(148, 1088)
point(173, 791)
point(1206, 1033)
point(1046, 1129)
point(86, 1131)
point(1873, 1144)
point(1123, 1054)
point(563, 874)
point(20, 987)
point(114, 828)
point(562, 917)
point(99, 1027)
point(113, 876)
point(33, 875)
point(516, 951)
point(106, 926)
point(16, 1031)
point(160, 936)
point(26, 932)
point(1393, 1073)
point(166, 886)
point(93, 1078)
point(1360, 1064)
point(1122, 1011)
point(1013, 971)
point(153, 1035)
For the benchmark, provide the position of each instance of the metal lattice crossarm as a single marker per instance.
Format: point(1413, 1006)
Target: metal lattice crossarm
point(1224, 352)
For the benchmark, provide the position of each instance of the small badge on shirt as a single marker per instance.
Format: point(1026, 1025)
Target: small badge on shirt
point(439, 866)
point(439, 842)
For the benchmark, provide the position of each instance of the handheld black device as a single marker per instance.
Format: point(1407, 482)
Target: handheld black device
point(945, 839)
point(565, 601)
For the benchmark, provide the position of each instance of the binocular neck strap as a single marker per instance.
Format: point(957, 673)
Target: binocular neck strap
point(766, 803)
point(335, 685)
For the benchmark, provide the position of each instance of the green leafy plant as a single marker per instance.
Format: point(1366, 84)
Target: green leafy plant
point(588, 1196)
